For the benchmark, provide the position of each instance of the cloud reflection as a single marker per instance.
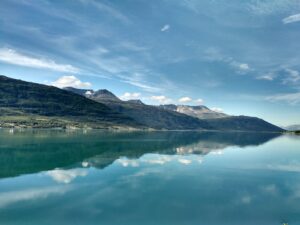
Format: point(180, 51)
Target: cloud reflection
point(8, 198)
point(289, 167)
point(125, 162)
point(159, 159)
point(184, 161)
point(66, 176)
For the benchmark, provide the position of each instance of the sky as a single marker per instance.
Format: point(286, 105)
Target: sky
point(240, 57)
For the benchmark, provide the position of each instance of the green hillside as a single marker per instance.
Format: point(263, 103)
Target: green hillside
point(38, 105)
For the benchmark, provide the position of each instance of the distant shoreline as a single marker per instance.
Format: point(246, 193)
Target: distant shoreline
point(130, 129)
point(296, 132)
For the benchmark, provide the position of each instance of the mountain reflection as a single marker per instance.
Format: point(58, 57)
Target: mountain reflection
point(24, 152)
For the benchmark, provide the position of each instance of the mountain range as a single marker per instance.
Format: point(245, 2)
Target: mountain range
point(151, 116)
point(177, 116)
point(199, 111)
point(292, 127)
point(27, 104)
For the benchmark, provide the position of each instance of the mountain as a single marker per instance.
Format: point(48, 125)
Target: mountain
point(26, 104)
point(104, 95)
point(167, 117)
point(293, 127)
point(222, 121)
point(151, 116)
point(135, 101)
point(30, 104)
point(156, 117)
point(201, 111)
point(243, 123)
point(78, 91)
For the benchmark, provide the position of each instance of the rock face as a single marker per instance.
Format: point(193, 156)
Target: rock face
point(101, 94)
point(200, 112)
point(148, 115)
point(136, 101)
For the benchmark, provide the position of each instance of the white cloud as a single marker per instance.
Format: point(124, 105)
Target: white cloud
point(127, 96)
point(214, 54)
point(291, 19)
point(131, 46)
point(292, 77)
point(268, 77)
point(244, 66)
point(165, 28)
point(13, 57)
point(66, 176)
point(161, 99)
point(70, 81)
point(199, 101)
point(216, 109)
point(185, 99)
point(291, 98)
point(287, 75)
point(99, 51)
point(138, 80)
point(108, 9)
point(141, 85)
point(240, 67)
point(271, 7)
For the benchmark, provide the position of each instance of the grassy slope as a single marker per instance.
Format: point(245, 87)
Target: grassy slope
point(41, 105)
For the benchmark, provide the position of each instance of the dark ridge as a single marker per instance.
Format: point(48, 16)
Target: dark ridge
point(38, 99)
point(243, 123)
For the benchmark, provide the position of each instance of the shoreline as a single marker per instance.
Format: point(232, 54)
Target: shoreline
point(131, 129)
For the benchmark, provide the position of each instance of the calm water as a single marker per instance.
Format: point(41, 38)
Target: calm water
point(159, 178)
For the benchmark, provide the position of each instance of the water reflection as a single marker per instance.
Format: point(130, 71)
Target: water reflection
point(23, 152)
point(66, 176)
point(168, 178)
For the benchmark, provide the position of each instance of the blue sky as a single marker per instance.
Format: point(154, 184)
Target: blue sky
point(241, 57)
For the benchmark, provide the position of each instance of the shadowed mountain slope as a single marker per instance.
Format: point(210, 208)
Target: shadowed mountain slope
point(151, 116)
point(243, 123)
point(168, 117)
point(24, 99)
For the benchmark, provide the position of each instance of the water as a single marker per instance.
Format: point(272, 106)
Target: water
point(159, 178)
